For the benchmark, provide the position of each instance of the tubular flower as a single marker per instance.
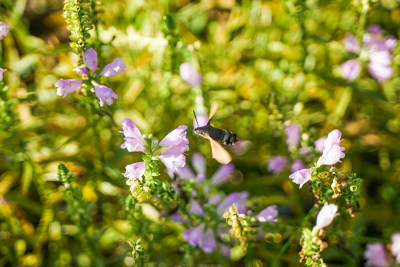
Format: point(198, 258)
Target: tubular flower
point(301, 177)
point(268, 214)
point(293, 135)
point(103, 93)
point(396, 246)
point(375, 255)
point(332, 152)
point(133, 137)
point(135, 171)
point(177, 144)
point(326, 215)
point(277, 164)
point(190, 75)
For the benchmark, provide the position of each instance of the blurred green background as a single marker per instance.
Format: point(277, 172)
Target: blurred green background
point(267, 63)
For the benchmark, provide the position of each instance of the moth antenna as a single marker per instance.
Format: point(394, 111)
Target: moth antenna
point(194, 113)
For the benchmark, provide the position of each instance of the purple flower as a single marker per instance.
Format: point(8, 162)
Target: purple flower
point(305, 150)
point(223, 174)
point(196, 208)
point(190, 75)
point(65, 87)
point(104, 94)
point(297, 165)
point(177, 144)
point(350, 69)
point(375, 29)
point(1, 73)
point(176, 217)
point(238, 198)
point(90, 59)
point(214, 199)
point(301, 177)
point(332, 152)
point(375, 255)
point(135, 171)
point(208, 243)
point(379, 71)
point(185, 173)
point(196, 237)
point(277, 164)
point(133, 137)
point(396, 246)
point(268, 214)
point(293, 135)
point(114, 68)
point(319, 144)
point(199, 163)
point(326, 215)
point(4, 27)
point(351, 44)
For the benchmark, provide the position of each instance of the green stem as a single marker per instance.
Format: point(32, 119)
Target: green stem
point(286, 246)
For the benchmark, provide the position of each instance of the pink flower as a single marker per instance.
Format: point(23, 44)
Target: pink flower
point(237, 198)
point(177, 144)
point(65, 87)
point(135, 171)
point(375, 255)
point(195, 207)
point(1, 73)
point(277, 164)
point(332, 152)
point(293, 135)
point(104, 94)
point(268, 214)
point(379, 71)
point(4, 27)
point(114, 68)
point(196, 237)
point(133, 137)
point(396, 246)
point(223, 174)
point(319, 144)
point(350, 69)
point(326, 215)
point(301, 177)
point(297, 165)
point(351, 44)
point(375, 29)
point(90, 59)
point(208, 243)
point(190, 75)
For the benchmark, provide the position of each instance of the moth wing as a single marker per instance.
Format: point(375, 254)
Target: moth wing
point(219, 153)
point(213, 109)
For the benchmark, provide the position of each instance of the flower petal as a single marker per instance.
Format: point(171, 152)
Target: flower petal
point(82, 71)
point(326, 215)
point(351, 44)
point(199, 163)
point(135, 171)
point(1, 73)
point(277, 164)
point(175, 137)
point(223, 174)
point(114, 68)
point(90, 59)
point(208, 243)
point(133, 137)
point(293, 135)
point(104, 94)
point(4, 27)
point(301, 177)
point(190, 75)
point(65, 87)
point(379, 71)
point(268, 214)
point(350, 69)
